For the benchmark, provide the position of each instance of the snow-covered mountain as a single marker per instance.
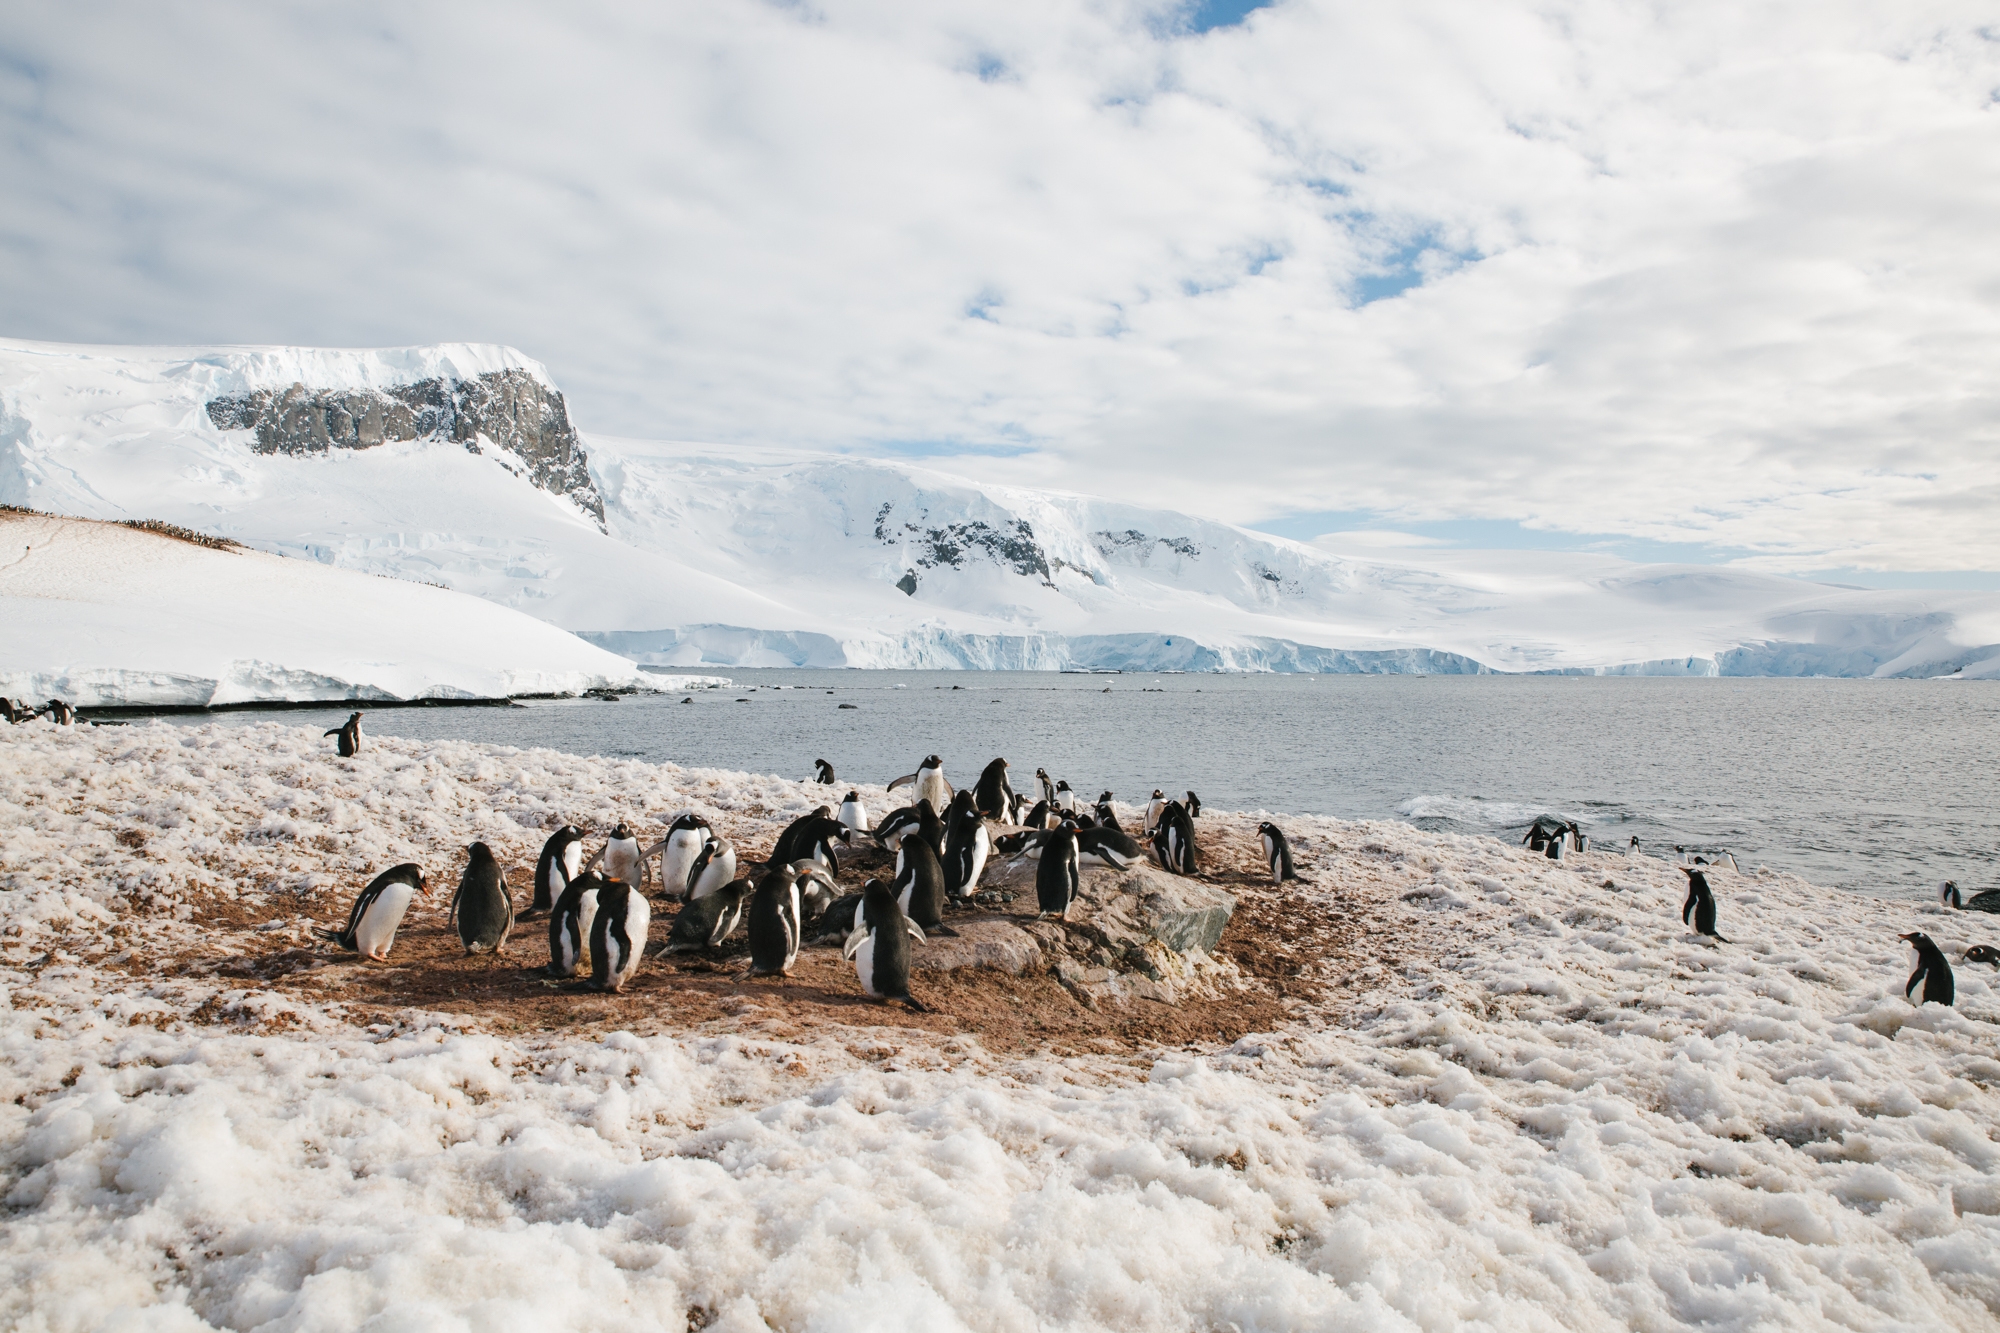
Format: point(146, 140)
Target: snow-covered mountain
point(460, 465)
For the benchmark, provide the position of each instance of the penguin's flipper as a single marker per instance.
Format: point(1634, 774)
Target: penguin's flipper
point(334, 732)
point(903, 781)
point(916, 931)
point(853, 945)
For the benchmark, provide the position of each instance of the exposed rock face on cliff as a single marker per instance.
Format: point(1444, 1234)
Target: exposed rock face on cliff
point(511, 408)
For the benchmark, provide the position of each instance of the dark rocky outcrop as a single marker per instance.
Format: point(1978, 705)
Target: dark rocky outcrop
point(512, 408)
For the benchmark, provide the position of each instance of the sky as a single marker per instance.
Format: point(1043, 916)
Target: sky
point(1705, 281)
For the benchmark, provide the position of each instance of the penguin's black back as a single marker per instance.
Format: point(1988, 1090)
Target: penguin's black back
point(485, 911)
point(1699, 909)
point(1939, 987)
point(890, 972)
point(927, 892)
point(546, 866)
point(1056, 880)
point(770, 924)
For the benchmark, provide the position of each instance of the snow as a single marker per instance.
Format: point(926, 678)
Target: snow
point(99, 613)
point(774, 558)
point(1555, 1108)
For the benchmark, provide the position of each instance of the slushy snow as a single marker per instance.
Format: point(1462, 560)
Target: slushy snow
point(1557, 1110)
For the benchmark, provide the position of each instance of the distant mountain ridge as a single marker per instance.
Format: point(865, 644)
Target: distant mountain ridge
point(382, 461)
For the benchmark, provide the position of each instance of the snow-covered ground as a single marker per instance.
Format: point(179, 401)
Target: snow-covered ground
point(100, 613)
point(1550, 1108)
point(709, 558)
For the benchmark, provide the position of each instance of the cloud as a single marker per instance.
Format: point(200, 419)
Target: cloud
point(1701, 273)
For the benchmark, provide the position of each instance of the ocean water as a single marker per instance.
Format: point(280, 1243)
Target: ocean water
point(1882, 787)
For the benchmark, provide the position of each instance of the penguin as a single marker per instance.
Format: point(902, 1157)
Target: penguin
point(1065, 800)
point(1699, 909)
point(710, 919)
point(484, 909)
point(1057, 880)
point(1154, 809)
point(966, 847)
point(1277, 852)
point(1931, 969)
point(880, 947)
point(618, 935)
point(559, 863)
point(1632, 849)
point(1553, 848)
point(371, 926)
point(63, 715)
point(826, 777)
point(1193, 806)
point(811, 837)
point(774, 922)
point(931, 827)
point(571, 923)
point(1037, 817)
point(1536, 840)
point(623, 862)
point(922, 886)
point(349, 732)
point(817, 890)
point(889, 834)
point(1017, 807)
point(1080, 820)
point(839, 920)
point(678, 851)
point(1106, 816)
point(993, 797)
point(1045, 786)
point(1108, 846)
point(1983, 953)
point(1013, 844)
point(1989, 901)
point(1173, 840)
point(7, 709)
point(932, 789)
point(714, 867)
point(853, 813)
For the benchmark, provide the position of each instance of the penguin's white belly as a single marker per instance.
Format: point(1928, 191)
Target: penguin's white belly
point(621, 862)
point(572, 862)
point(931, 788)
point(376, 930)
point(677, 861)
point(982, 847)
point(864, 964)
point(903, 898)
point(721, 869)
point(586, 915)
point(854, 816)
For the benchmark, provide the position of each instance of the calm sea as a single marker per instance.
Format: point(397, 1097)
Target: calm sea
point(1880, 786)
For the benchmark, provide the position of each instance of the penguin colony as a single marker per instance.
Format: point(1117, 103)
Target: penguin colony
point(599, 910)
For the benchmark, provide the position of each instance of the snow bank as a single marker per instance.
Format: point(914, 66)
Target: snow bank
point(1539, 1104)
point(99, 613)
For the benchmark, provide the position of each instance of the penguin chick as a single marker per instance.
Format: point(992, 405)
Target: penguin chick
point(1932, 972)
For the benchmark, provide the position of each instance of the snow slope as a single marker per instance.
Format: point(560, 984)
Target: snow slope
point(1559, 1110)
point(100, 613)
point(813, 560)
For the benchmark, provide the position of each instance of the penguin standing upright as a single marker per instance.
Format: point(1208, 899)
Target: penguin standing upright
point(371, 926)
point(560, 862)
point(708, 920)
point(7, 709)
point(1155, 807)
point(622, 862)
point(1193, 806)
point(1037, 817)
point(1106, 816)
point(678, 851)
point(853, 813)
point(1932, 972)
point(572, 923)
point(1057, 880)
point(63, 715)
point(349, 732)
point(714, 867)
point(618, 935)
point(811, 837)
point(921, 886)
point(1173, 840)
point(966, 847)
point(826, 777)
point(1045, 786)
point(774, 922)
point(1065, 800)
point(880, 946)
point(932, 789)
point(1699, 909)
point(1277, 852)
point(1632, 849)
point(482, 905)
point(993, 797)
point(1989, 901)
point(931, 828)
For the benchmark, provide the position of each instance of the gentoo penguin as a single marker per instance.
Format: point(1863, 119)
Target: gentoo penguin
point(618, 935)
point(921, 886)
point(7, 709)
point(1045, 786)
point(1277, 852)
point(853, 813)
point(1037, 817)
point(826, 777)
point(1154, 809)
point(349, 732)
point(1108, 846)
point(686, 837)
point(774, 922)
point(560, 862)
point(63, 715)
point(932, 789)
point(811, 837)
point(1193, 806)
point(896, 824)
point(993, 797)
point(1057, 881)
point(966, 847)
point(931, 828)
point(1065, 800)
point(371, 926)
point(1699, 909)
point(571, 923)
point(1106, 816)
point(484, 909)
point(840, 919)
point(1932, 971)
point(880, 947)
point(817, 889)
point(714, 866)
point(622, 862)
point(709, 920)
point(1632, 849)
point(1173, 840)
point(1983, 953)
point(1553, 848)
point(1989, 901)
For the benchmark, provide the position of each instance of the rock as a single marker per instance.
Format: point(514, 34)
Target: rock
point(1000, 945)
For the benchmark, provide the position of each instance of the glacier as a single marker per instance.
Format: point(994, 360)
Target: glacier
point(690, 556)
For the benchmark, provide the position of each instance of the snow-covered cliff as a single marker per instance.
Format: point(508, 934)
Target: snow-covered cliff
point(459, 465)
